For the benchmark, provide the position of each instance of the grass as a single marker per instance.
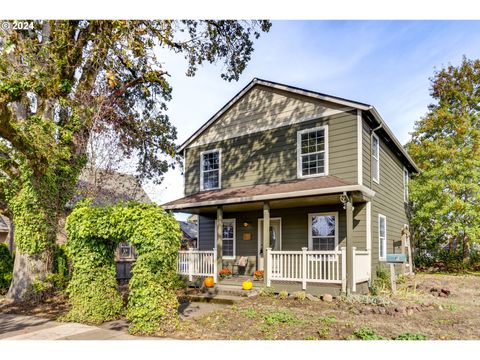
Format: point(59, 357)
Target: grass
point(411, 336)
point(281, 317)
point(328, 319)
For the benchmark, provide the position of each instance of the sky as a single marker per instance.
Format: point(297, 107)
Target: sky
point(386, 64)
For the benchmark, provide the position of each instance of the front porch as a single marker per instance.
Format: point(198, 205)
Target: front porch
point(302, 270)
point(307, 233)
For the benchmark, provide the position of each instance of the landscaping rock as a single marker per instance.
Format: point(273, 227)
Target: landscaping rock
point(327, 298)
point(311, 297)
point(401, 310)
point(446, 292)
point(382, 310)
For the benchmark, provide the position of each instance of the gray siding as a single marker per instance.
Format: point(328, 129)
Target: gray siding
point(388, 199)
point(271, 156)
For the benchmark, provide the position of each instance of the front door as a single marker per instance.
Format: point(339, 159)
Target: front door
point(275, 238)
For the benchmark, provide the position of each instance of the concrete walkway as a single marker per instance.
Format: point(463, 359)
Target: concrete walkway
point(18, 327)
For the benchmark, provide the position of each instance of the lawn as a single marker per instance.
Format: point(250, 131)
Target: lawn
point(415, 312)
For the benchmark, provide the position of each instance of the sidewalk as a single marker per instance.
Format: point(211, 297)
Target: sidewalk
point(18, 327)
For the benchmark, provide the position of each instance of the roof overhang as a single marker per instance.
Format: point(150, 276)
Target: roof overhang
point(266, 197)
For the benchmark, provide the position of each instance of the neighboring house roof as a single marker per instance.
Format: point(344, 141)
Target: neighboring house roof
point(189, 230)
point(333, 99)
point(4, 224)
point(286, 189)
point(108, 188)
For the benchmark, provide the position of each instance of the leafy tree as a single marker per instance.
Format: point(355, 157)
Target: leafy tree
point(64, 80)
point(446, 146)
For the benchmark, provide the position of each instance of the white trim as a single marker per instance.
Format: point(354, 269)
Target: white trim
point(380, 257)
point(359, 147)
point(405, 185)
point(299, 151)
point(377, 179)
point(260, 233)
point(310, 215)
point(234, 237)
point(311, 192)
point(219, 168)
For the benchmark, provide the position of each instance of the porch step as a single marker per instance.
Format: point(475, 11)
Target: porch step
point(216, 298)
point(235, 290)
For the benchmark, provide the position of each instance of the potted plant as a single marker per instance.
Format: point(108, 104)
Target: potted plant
point(224, 273)
point(258, 275)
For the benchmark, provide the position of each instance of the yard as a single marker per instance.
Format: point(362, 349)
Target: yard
point(413, 312)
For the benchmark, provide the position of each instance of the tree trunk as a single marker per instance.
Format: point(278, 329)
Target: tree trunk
point(26, 270)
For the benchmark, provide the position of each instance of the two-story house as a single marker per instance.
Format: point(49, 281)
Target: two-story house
point(311, 188)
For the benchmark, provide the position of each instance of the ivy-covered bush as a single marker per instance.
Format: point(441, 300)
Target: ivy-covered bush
point(93, 235)
point(6, 267)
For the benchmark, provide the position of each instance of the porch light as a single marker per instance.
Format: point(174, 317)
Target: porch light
point(246, 224)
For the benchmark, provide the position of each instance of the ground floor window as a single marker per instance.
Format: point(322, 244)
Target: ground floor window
point(382, 237)
point(323, 231)
point(228, 239)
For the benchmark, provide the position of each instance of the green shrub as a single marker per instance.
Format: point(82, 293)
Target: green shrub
point(6, 267)
point(299, 295)
point(266, 291)
point(281, 317)
point(411, 336)
point(283, 294)
point(93, 235)
point(365, 333)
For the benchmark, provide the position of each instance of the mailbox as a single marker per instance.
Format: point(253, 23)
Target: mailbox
point(396, 258)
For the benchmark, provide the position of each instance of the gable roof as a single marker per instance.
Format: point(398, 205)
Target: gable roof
point(312, 94)
point(108, 188)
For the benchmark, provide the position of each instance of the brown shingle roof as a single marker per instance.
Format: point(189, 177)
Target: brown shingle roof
point(246, 192)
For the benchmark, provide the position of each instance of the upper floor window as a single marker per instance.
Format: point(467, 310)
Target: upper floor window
point(382, 237)
point(375, 158)
point(210, 176)
point(312, 152)
point(405, 185)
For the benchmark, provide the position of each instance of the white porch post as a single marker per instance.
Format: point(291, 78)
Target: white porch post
point(349, 255)
point(266, 241)
point(190, 264)
point(215, 265)
point(344, 269)
point(304, 268)
point(354, 276)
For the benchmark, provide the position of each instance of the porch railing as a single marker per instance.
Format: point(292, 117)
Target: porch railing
point(194, 262)
point(304, 266)
point(307, 266)
point(361, 266)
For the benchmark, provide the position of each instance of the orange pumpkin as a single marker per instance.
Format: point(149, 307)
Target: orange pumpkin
point(209, 282)
point(247, 285)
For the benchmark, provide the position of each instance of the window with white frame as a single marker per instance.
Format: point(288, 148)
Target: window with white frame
point(210, 162)
point(228, 239)
point(382, 237)
point(312, 152)
point(375, 158)
point(323, 231)
point(405, 185)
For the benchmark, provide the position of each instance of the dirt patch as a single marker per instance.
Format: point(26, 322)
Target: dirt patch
point(51, 308)
point(413, 312)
